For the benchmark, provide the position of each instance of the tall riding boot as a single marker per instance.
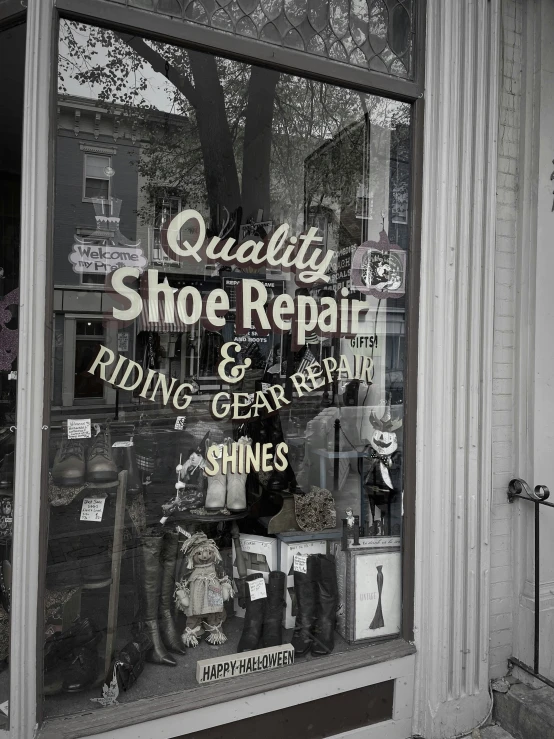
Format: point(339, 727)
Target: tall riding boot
point(126, 459)
point(168, 631)
point(328, 596)
point(305, 588)
point(151, 548)
point(273, 622)
point(236, 481)
point(253, 619)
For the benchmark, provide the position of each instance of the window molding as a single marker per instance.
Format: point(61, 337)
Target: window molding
point(210, 705)
point(35, 331)
point(165, 28)
point(92, 149)
point(455, 369)
point(40, 95)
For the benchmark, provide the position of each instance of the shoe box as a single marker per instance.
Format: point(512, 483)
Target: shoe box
point(260, 553)
point(290, 545)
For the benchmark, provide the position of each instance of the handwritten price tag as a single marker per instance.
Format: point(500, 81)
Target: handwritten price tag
point(119, 444)
point(78, 428)
point(257, 588)
point(92, 509)
point(180, 423)
point(300, 563)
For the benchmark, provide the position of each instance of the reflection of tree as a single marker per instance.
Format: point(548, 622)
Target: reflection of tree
point(236, 136)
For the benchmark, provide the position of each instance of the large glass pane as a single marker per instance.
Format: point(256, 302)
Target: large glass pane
point(226, 466)
point(12, 68)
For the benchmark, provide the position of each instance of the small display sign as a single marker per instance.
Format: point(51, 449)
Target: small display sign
point(92, 509)
point(78, 428)
point(257, 588)
point(300, 563)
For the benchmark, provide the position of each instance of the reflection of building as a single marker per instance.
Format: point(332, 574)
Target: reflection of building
point(98, 155)
point(92, 141)
point(346, 199)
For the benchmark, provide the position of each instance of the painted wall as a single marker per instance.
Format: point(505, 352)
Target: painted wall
point(503, 458)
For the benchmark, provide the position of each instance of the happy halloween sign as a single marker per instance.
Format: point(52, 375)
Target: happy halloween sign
point(235, 665)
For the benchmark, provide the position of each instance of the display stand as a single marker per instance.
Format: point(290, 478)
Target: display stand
point(117, 552)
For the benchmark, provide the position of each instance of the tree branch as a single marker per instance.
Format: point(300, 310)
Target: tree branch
point(159, 64)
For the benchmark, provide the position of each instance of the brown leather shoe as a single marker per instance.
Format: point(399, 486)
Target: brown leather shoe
point(100, 464)
point(69, 463)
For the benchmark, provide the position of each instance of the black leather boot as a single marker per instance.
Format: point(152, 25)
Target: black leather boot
point(253, 619)
point(326, 614)
point(273, 621)
point(81, 670)
point(151, 550)
point(305, 588)
point(168, 631)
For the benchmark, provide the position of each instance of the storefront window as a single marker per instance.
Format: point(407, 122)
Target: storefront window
point(226, 448)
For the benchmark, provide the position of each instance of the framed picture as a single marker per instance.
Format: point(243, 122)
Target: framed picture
point(369, 577)
point(377, 591)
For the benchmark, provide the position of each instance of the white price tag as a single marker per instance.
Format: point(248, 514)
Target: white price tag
point(92, 509)
point(118, 444)
point(163, 519)
point(257, 588)
point(78, 428)
point(123, 342)
point(180, 423)
point(300, 563)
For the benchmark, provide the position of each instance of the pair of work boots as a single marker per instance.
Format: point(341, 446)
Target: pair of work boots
point(159, 555)
point(264, 616)
point(72, 467)
point(228, 490)
point(316, 606)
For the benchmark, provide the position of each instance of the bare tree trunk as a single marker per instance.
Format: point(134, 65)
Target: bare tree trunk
point(257, 142)
point(220, 168)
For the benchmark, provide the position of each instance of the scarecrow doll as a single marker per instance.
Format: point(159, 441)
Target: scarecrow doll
point(201, 593)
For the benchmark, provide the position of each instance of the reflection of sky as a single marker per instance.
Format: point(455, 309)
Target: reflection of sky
point(155, 93)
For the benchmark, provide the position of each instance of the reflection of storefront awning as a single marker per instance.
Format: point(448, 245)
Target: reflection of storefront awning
point(160, 326)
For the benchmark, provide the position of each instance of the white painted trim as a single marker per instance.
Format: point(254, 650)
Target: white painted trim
point(401, 670)
point(454, 437)
point(31, 363)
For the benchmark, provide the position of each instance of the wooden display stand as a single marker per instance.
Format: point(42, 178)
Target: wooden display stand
point(117, 552)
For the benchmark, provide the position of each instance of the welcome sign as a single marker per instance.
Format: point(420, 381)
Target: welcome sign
point(96, 260)
point(244, 663)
